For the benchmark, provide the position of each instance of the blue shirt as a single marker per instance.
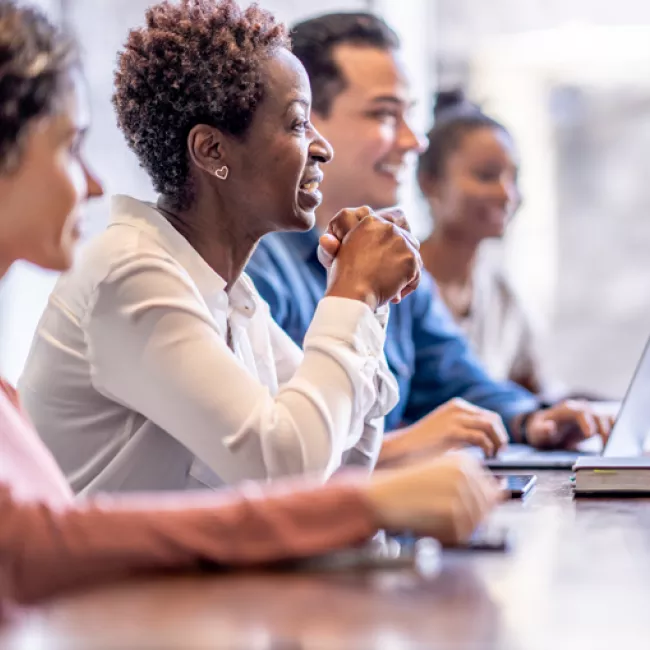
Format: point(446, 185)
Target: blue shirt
point(425, 349)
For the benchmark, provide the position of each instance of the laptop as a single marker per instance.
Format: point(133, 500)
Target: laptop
point(628, 438)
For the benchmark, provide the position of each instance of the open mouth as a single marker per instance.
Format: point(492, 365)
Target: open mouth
point(394, 171)
point(310, 186)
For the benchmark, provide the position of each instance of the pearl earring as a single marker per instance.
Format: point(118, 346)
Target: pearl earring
point(221, 173)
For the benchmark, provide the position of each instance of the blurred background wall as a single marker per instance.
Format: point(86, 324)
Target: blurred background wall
point(571, 79)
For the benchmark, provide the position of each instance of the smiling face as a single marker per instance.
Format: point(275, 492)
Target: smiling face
point(41, 198)
point(368, 127)
point(478, 192)
point(274, 170)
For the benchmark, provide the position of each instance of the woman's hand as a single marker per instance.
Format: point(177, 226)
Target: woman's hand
point(455, 424)
point(372, 258)
point(446, 498)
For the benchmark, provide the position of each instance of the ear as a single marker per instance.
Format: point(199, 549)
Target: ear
point(205, 145)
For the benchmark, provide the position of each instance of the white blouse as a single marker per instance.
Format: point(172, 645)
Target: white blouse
point(499, 328)
point(132, 385)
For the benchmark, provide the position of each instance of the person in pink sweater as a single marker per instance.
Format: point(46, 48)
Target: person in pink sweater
point(48, 541)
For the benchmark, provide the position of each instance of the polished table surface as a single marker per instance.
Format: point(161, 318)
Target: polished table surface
point(578, 576)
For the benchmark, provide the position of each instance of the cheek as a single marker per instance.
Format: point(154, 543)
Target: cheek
point(378, 143)
point(68, 188)
point(470, 195)
point(362, 144)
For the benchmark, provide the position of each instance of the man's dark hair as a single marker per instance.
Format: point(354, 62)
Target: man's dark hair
point(35, 61)
point(194, 62)
point(313, 42)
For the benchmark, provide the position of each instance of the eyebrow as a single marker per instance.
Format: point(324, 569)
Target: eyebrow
point(391, 99)
point(78, 132)
point(298, 100)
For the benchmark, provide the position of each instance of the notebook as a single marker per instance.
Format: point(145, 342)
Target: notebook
point(617, 476)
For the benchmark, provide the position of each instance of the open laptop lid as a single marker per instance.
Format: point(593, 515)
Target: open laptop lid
point(633, 421)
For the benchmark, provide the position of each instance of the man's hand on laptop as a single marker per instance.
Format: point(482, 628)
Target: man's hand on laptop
point(453, 425)
point(565, 425)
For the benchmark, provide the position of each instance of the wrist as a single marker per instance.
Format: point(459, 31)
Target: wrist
point(354, 291)
point(520, 427)
point(394, 446)
point(378, 493)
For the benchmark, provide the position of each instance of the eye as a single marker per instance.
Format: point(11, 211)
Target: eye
point(385, 115)
point(487, 175)
point(300, 126)
point(76, 144)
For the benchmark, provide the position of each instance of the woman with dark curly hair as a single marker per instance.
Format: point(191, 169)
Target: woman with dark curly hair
point(470, 178)
point(47, 542)
point(170, 372)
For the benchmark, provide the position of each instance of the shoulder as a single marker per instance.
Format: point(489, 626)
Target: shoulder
point(10, 392)
point(504, 289)
point(117, 251)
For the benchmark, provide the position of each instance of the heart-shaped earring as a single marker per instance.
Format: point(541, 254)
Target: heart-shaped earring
point(221, 173)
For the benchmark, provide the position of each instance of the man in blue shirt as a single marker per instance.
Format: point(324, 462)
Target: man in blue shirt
point(360, 104)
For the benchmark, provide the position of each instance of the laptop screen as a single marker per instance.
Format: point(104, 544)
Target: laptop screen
point(632, 425)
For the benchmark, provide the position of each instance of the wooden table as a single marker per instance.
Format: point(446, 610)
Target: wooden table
point(578, 577)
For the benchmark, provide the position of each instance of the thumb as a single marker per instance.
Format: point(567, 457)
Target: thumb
point(328, 248)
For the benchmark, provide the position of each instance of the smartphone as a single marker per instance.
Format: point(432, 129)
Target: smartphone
point(421, 554)
point(487, 539)
point(518, 485)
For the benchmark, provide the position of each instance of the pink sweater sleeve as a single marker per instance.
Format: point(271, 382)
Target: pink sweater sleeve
point(45, 549)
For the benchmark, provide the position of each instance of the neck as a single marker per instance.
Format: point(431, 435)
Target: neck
point(326, 212)
point(224, 242)
point(6, 261)
point(449, 257)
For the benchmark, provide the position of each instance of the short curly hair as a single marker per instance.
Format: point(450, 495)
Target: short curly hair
point(196, 62)
point(35, 62)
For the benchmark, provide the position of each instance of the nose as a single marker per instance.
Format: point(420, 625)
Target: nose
point(95, 189)
point(509, 192)
point(411, 139)
point(320, 150)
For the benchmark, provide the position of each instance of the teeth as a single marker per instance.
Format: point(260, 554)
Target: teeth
point(310, 187)
point(394, 170)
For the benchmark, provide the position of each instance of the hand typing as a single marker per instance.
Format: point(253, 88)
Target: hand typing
point(455, 424)
point(446, 498)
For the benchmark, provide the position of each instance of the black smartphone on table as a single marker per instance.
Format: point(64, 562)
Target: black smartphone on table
point(517, 485)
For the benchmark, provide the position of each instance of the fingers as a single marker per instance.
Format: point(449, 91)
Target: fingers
point(446, 498)
point(568, 423)
point(587, 424)
point(413, 284)
point(604, 426)
point(346, 220)
point(478, 495)
point(395, 215)
point(489, 427)
point(473, 438)
point(327, 249)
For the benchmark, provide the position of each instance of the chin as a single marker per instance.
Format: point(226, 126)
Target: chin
point(62, 259)
point(301, 221)
point(383, 200)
